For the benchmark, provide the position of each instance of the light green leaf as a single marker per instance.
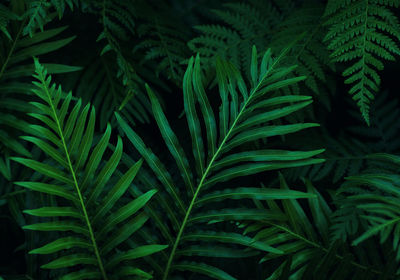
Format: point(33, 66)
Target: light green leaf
point(236, 214)
point(192, 119)
point(45, 169)
point(55, 212)
point(205, 269)
point(49, 189)
point(58, 226)
point(172, 142)
point(64, 243)
point(121, 234)
point(70, 260)
point(117, 191)
point(205, 107)
point(253, 193)
point(136, 253)
point(153, 162)
point(231, 238)
point(125, 212)
point(82, 274)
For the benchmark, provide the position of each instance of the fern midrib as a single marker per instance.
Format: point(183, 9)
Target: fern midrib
point(363, 56)
point(3, 68)
point(210, 165)
point(91, 233)
point(316, 245)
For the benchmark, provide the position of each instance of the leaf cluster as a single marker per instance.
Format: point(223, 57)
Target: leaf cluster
point(185, 139)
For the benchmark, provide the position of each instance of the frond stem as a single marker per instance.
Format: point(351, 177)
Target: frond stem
point(3, 68)
point(210, 165)
point(363, 76)
point(85, 214)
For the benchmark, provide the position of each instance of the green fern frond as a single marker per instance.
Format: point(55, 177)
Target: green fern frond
point(309, 53)
point(304, 239)
point(118, 20)
point(85, 189)
point(244, 25)
point(244, 116)
point(163, 42)
point(363, 33)
point(6, 15)
point(383, 133)
point(98, 84)
point(344, 156)
point(38, 13)
point(16, 66)
point(375, 198)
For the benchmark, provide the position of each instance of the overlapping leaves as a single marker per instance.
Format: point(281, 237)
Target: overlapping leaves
point(375, 196)
point(15, 66)
point(243, 25)
point(305, 242)
point(218, 156)
point(86, 191)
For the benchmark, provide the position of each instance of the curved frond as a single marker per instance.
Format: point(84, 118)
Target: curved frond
point(163, 41)
point(243, 25)
point(344, 156)
point(245, 115)
point(304, 240)
point(374, 197)
point(87, 193)
point(38, 13)
point(363, 33)
point(309, 53)
point(15, 68)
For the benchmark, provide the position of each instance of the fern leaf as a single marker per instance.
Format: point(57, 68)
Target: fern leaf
point(5, 16)
point(309, 53)
point(382, 135)
point(163, 41)
point(304, 240)
point(15, 90)
point(91, 192)
point(244, 25)
point(344, 156)
point(38, 13)
point(362, 33)
point(98, 84)
point(374, 197)
point(245, 116)
point(118, 22)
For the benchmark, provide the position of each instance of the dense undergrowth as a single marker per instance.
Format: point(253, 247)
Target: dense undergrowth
point(199, 139)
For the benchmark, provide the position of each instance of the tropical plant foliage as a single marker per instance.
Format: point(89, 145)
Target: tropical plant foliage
point(199, 139)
